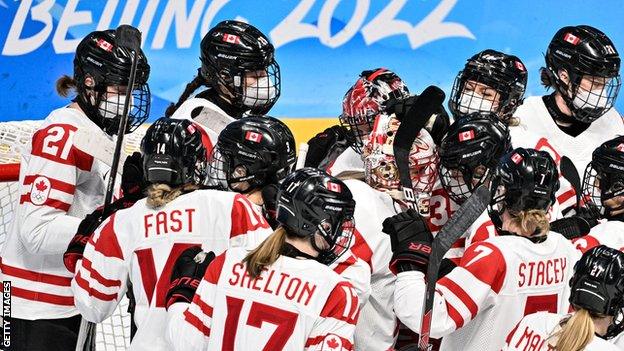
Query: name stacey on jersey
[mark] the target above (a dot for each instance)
(545, 272)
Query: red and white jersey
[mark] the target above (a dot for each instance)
(609, 233)
(497, 282)
(58, 185)
(535, 332)
(377, 324)
(142, 244)
(295, 304)
(209, 136)
(441, 208)
(348, 161)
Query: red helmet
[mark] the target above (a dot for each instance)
(380, 167)
(366, 99)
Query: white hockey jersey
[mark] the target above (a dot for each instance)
(294, 305)
(535, 119)
(377, 325)
(497, 282)
(142, 244)
(609, 233)
(533, 333)
(348, 161)
(58, 185)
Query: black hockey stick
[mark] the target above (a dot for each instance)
(461, 220)
(129, 38)
(411, 124)
(570, 173)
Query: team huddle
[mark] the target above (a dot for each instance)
(223, 238)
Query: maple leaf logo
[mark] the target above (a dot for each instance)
(332, 343)
(41, 185)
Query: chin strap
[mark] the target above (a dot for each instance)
(291, 251)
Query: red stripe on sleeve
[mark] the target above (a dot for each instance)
(55, 183)
(343, 265)
(59, 205)
(488, 267)
(338, 302)
(196, 322)
(455, 316)
(92, 291)
(461, 294)
(214, 269)
(97, 276)
(244, 218)
(107, 243)
(35, 276)
(566, 196)
(42, 297)
(204, 307)
(361, 249)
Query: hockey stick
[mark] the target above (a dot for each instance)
(213, 117)
(463, 218)
(129, 38)
(303, 153)
(570, 173)
(411, 124)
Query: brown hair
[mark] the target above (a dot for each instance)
(64, 85)
(266, 253)
(159, 195)
(531, 221)
(576, 332)
(197, 82)
(545, 78)
(513, 121)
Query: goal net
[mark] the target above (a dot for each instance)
(113, 333)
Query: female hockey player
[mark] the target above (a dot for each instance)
(491, 81)
(59, 184)
(282, 295)
(582, 67)
(144, 241)
(239, 70)
(524, 270)
(598, 300)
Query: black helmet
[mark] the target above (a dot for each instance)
(598, 285)
(503, 73)
(470, 152)
(311, 201)
(584, 51)
(525, 179)
(366, 99)
(173, 153)
(98, 57)
(604, 176)
(233, 48)
(258, 150)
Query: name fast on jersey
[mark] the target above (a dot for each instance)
(292, 288)
(165, 222)
(545, 272)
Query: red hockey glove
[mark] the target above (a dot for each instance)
(410, 240)
(188, 271)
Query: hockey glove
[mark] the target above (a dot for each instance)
(571, 227)
(326, 146)
(188, 271)
(410, 240)
(132, 182)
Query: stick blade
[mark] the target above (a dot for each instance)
(128, 37)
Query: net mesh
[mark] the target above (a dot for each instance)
(114, 332)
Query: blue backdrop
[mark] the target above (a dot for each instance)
(322, 45)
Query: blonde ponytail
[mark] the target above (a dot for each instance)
(531, 221)
(576, 332)
(159, 195)
(266, 253)
(64, 85)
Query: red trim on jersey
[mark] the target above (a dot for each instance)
(511, 334)
(361, 249)
(204, 307)
(459, 243)
(145, 258)
(59, 205)
(343, 265)
(196, 322)
(585, 243)
(97, 276)
(482, 233)
(35, 276)
(566, 196)
(93, 291)
(490, 269)
(461, 294)
(75, 157)
(335, 307)
(42, 297)
(107, 243)
(242, 223)
(214, 269)
(455, 316)
(55, 183)
(346, 343)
